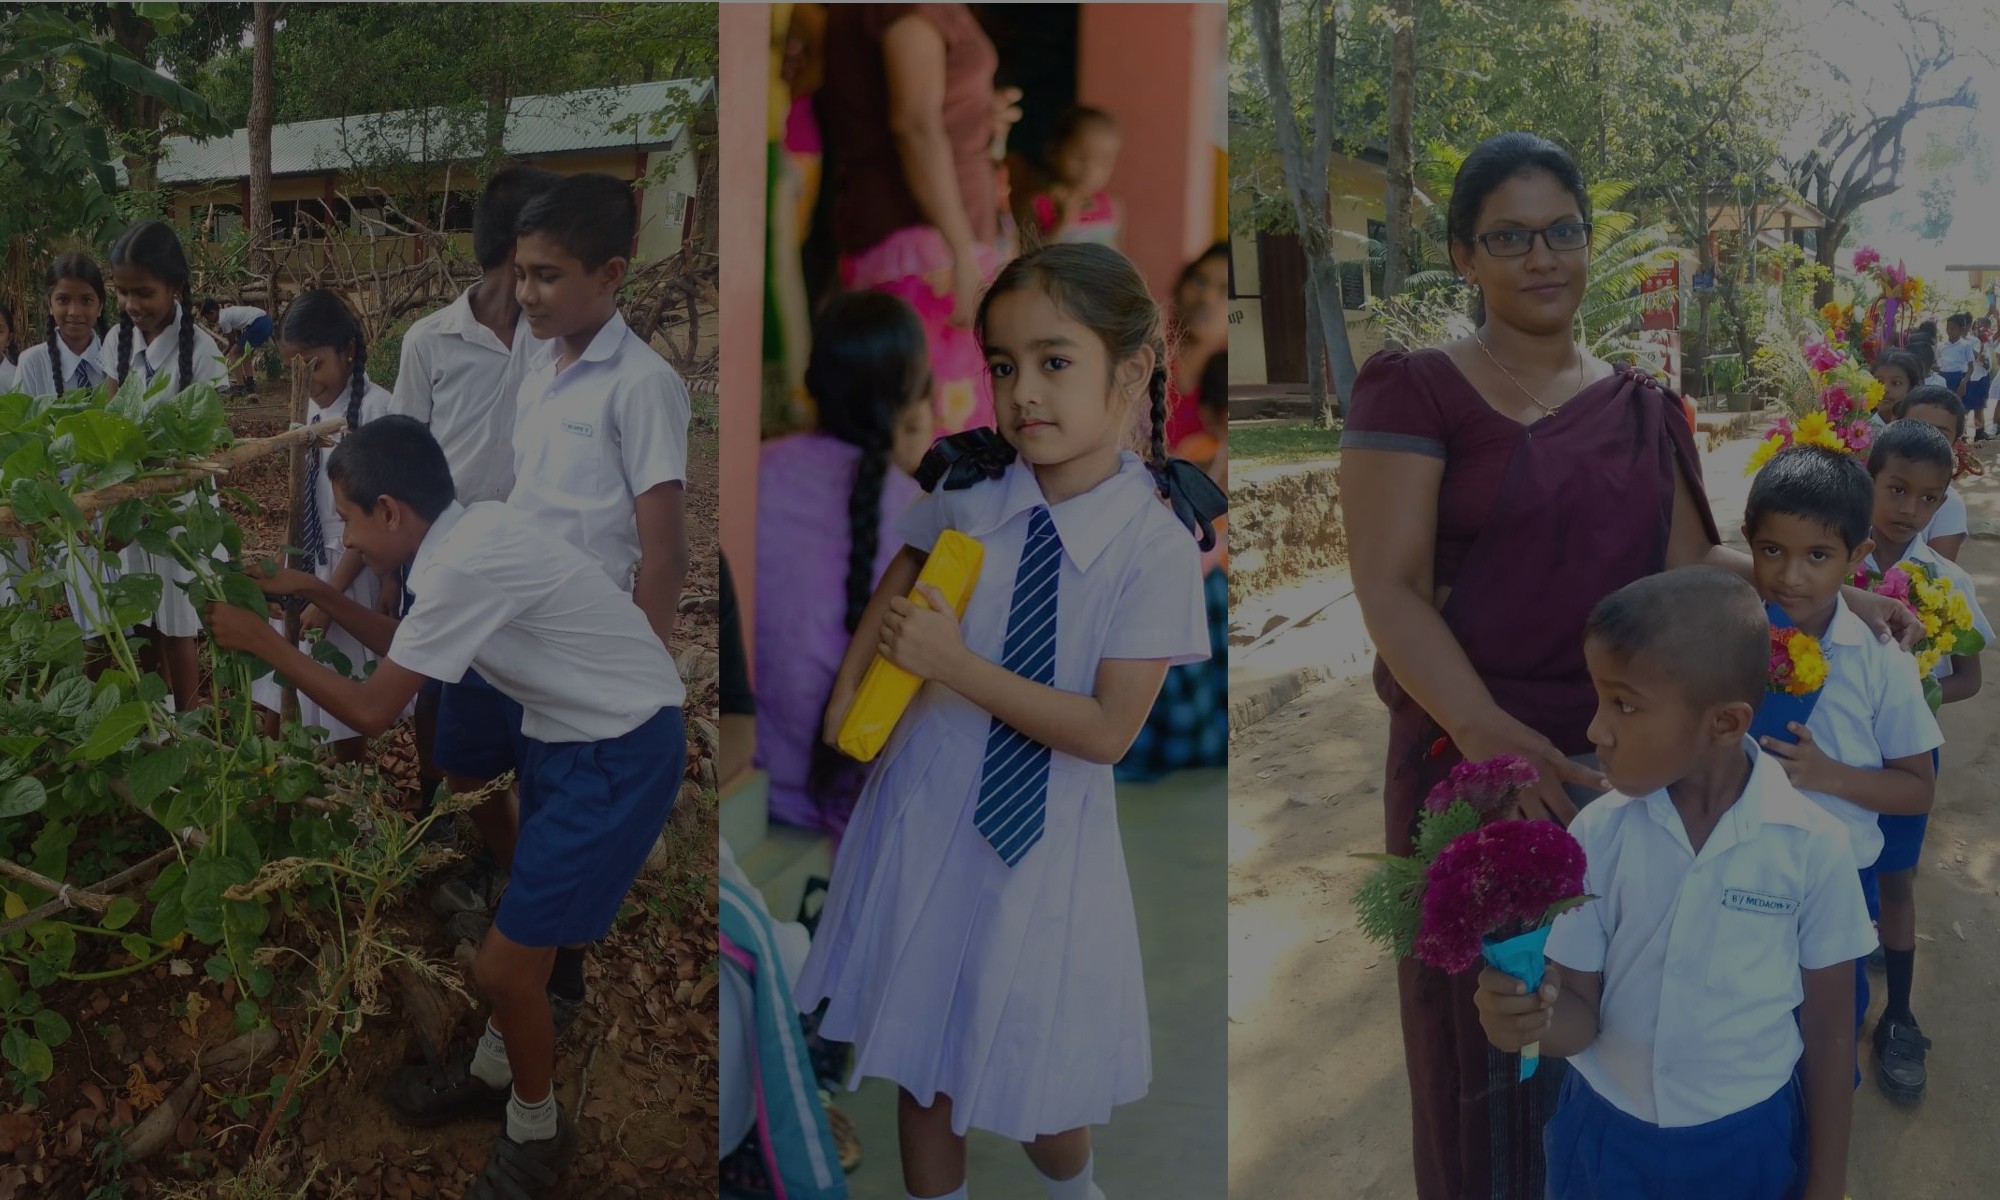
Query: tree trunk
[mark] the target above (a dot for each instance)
(1306, 184)
(136, 117)
(262, 87)
(1400, 186)
(1704, 301)
(1316, 364)
(1831, 235)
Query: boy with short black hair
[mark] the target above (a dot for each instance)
(1911, 462)
(600, 438)
(601, 748)
(1866, 748)
(1725, 903)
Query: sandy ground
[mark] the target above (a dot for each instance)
(1316, 1086)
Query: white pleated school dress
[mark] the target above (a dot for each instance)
(1016, 991)
(176, 616)
(36, 377)
(367, 586)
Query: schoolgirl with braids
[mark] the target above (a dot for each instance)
(322, 331)
(65, 359)
(978, 944)
(158, 341)
(827, 502)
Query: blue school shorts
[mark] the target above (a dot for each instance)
(1596, 1152)
(257, 332)
(1951, 379)
(1903, 836)
(1977, 392)
(590, 814)
(478, 729)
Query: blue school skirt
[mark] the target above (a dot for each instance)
(1976, 392)
(590, 814)
(1596, 1152)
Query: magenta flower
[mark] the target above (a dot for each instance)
(1489, 787)
(1866, 257)
(1859, 436)
(1822, 357)
(1497, 880)
(1837, 403)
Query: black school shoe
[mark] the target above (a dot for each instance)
(1899, 1050)
(443, 1090)
(526, 1170)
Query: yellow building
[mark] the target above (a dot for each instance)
(1267, 309)
(322, 171)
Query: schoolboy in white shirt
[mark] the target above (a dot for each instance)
(1911, 462)
(601, 748)
(1701, 997)
(1866, 749)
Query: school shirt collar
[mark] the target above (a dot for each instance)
(1919, 551)
(604, 346)
(1847, 629)
(66, 360)
(1087, 523)
(1768, 799)
(436, 534)
(457, 319)
(161, 350)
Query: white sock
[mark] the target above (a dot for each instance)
(957, 1193)
(1076, 1187)
(489, 1062)
(531, 1122)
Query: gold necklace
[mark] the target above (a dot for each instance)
(1548, 410)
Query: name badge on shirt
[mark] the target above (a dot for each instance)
(579, 429)
(1758, 902)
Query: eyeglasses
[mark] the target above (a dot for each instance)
(1513, 243)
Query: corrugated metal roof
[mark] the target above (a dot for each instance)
(566, 123)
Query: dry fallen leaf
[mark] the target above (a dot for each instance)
(141, 1092)
(197, 1004)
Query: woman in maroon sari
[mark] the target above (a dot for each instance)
(1495, 489)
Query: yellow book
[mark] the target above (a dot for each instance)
(886, 690)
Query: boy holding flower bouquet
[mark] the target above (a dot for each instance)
(1726, 902)
(1912, 464)
(1865, 749)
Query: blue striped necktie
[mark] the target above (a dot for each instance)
(1014, 782)
(82, 374)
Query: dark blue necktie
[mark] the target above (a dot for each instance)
(1014, 782)
(82, 374)
(309, 526)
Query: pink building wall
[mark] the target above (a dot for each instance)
(1156, 67)
(743, 97)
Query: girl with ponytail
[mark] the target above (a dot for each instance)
(980, 901)
(322, 332)
(158, 341)
(824, 500)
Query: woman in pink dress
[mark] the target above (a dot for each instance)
(911, 120)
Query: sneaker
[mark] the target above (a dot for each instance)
(441, 1091)
(1899, 1049)
(526, 1170)
(565, 1010)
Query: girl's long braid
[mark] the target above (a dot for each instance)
(1156, 447)
(55, 356)
(124, 345)
(360, 382)
(186, 377)
(864, 522)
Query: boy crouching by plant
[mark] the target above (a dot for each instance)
(600, 749)
(1726, 903)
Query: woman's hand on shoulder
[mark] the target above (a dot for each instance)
(1495, 733)
(1891, 619)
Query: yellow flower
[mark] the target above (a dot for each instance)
(1808, 664)
(1927, 661)
(1873, 394)
(1762, 454)
(1814, 429)
(1931, 623)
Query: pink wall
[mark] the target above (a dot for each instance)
(742, 100)
(1155, 66)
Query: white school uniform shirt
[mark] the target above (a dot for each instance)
(1979, 356)
(496, 590)
(1871, 709)
(1950, 518)
(1954, 357)
(457, 377)
(35, 378)
(1938, 565)
(590, 439)
(1136, 591)
(1701, 953)
(238, 316)
(375, 401)
(162, 356)
(9, 372)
